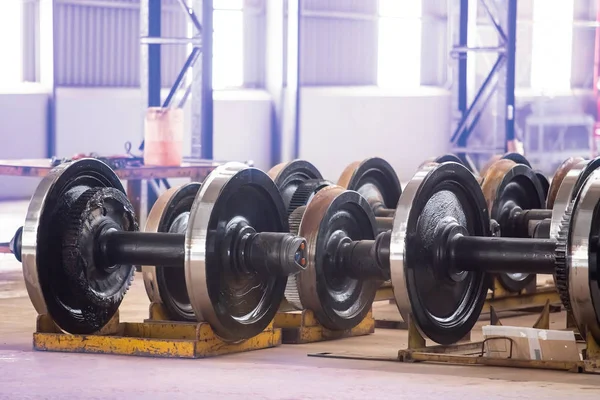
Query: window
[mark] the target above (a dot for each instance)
(552, 45)
(11, 42)
(228, 44)
(399, 53)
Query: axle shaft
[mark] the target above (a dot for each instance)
(384, 224)
(140, 248)
(501, 255)
(521, 223)
(365, 259)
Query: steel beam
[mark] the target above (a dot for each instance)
(48, 69)
(202, 93)
(511, 39)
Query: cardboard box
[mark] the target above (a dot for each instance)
(530, 343)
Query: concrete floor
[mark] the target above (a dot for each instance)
(281, 373)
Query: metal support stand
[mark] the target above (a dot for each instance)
(300, 327)
(472, 353)
(155, 337)
(532, 297)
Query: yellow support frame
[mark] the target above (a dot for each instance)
(302, 327)
(151, 338)
(472, 353)
(534, 297)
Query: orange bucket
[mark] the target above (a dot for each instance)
(163, 137)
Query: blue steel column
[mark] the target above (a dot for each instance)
(47, 62)
(202, 92)
(154, 78)
(298, 84)
(462, 66)
(206, 142)
(511, 35)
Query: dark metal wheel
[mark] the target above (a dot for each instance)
(516, 158)
(454, 158)
(375, 179)
(289, 176)
(544, 183)
(570, 184)
(333, 216)
(505, 186)
(577, 257)
(237, 304)
(170, 213)
(559, 175)
(70, 202)
(444, 304)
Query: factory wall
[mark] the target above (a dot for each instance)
(338, 126)
(23, 133)
(342, 125)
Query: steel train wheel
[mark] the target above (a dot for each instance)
(577, 275)
(375, 179)
(72, 197)
(170, 213)
(444, 305)
(334, 215)
(559, 175)
(290, 176)
(570, 185)
(506, 185)
(237, 304)
(515, 157)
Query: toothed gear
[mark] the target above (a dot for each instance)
(96, 208)
(304, 192)
(561, 275)
(292, 293)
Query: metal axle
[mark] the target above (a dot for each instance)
(365, 259)
(499, 255)
(140, 248)
(265, 253)
(521, 223)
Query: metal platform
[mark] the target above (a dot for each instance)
(150, 338)
(300, 327)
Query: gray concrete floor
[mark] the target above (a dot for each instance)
(281, 373)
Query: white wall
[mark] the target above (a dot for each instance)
(22, 135)
(342, 125)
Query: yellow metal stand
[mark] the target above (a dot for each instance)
(473, 353)
(385, 292)
(530, 298)
(150, 338)
(302, 327)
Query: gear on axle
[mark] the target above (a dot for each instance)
(304, 193)
(292, 292)
(561, 275)
(96, 210)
